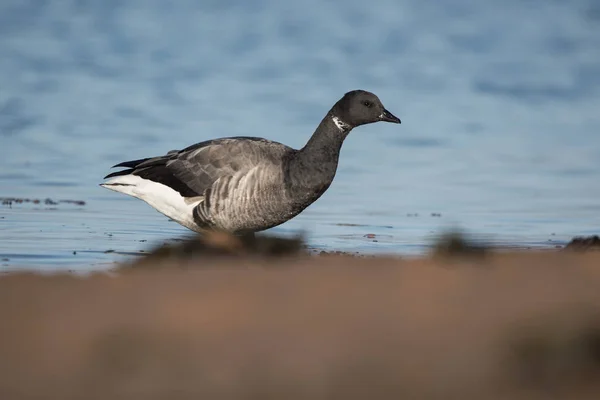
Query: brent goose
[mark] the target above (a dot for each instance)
(246, 184)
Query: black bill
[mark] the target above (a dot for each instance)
(389, 117)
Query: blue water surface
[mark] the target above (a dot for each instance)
(499, 104)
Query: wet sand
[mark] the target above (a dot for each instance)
(479, 325)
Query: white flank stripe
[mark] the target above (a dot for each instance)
(161, 197)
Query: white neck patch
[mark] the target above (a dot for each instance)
(342, 126)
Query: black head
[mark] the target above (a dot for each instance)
(360, 107)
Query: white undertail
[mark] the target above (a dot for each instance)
(161, 197)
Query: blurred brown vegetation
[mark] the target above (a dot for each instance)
(505, 326)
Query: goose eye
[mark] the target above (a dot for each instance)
(367, 103)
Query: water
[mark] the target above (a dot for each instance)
(499, 103)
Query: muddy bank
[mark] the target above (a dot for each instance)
(518, 326)
(584, 243)
(217, 245)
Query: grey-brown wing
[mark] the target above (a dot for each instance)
(199, 167)
(194, 169)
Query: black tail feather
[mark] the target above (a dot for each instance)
(130, 164)
(119, 173)
(154, 169)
